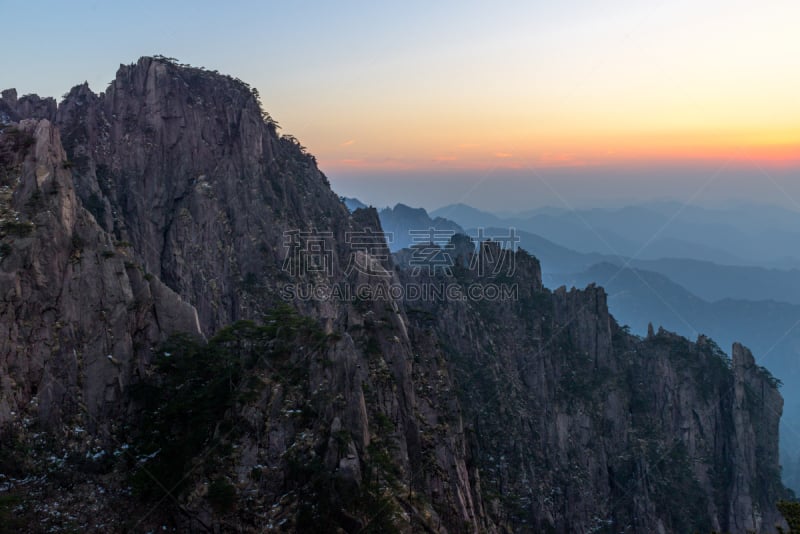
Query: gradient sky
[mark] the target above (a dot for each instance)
(510, 105)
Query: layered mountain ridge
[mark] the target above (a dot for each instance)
(169, 204)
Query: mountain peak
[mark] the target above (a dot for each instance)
(168, 204)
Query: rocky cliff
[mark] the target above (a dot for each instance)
(169, 204)
(576, 426)
(79, 316)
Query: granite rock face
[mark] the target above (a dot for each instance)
(79, 316)
(14, 108)
(181, 163)
(170, 204)
(575, 426)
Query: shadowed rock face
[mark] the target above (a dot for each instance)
(79, 318)
(162, 206)
(181, 163)
(574, 425)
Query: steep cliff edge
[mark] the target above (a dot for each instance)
(175, 206)
(79, 317)
(208, 208)
(576, 426)
(183, 164)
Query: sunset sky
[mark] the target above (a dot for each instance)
(451, 94)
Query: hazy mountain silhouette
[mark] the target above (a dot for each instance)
(714, 282)
(748, 235)
(409, 226)
(707, 280)
(467, 216)
(352, 203)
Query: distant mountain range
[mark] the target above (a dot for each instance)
(191, 341)
(755, 305)
(758, 305)
(406, 226)
(409, 226)
(707, 280)
(352, 203)
(753, 235)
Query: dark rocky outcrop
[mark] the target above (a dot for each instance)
(169, 203)
(15, 109)
(407, 226)
(181, 163)
(576, 426)
(79, 316)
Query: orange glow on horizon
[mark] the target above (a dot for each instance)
(634, 152)
(698, 83)
(584, 135)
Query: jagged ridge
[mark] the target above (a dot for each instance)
(536, 414)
